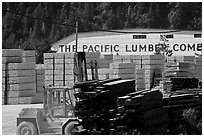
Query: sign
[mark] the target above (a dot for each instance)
(133, 48)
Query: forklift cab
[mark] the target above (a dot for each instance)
(58, 102)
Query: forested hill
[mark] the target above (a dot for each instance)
(37, 25)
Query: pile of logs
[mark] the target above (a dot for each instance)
(140, 113)
(179, 83)
(94, 103)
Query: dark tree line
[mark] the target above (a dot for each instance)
(36, 25)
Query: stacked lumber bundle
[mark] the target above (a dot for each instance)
(92, 58)
(59, 69)
(153, 66)
(180, 83)
(177, 69)
(139, 79)
(185, 59)
(122, 70)
(40, 82)
(105, 60)
(29, 56)
(19, 79)
(123, 58)
(93, 107)
(142, 112)
(176, 104)
(12, 56)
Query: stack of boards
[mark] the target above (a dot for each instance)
(18, 76)
(140, 68)
(59, 67)
(186, 66)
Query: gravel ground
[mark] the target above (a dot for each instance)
(9, 115)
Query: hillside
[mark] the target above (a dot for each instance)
(32, 25)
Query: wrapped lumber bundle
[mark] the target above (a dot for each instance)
(12, 55)
(140, 111)
(123, 58)
(178, 103)
(20, 82)
(93, 106)
(29, 56)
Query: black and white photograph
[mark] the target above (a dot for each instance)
(101, 68)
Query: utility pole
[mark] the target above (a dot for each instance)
(76, 35)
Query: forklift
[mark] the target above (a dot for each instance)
(58, 114)
(88, 112)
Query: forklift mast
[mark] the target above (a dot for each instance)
(80, 70)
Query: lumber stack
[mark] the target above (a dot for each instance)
(20, 81)
(190, 60)
(177, 69)
(93, 106)
(59, 69)
(139, 79)
(177, 103)
(122, 70)
(92, 58)
(12, 56)
(40, 82)
(153, 66)
(140, 111)
(29, 56)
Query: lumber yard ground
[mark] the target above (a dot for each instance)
(9, 115)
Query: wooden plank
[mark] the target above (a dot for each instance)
(59, 72)
(21, 93)
(59, 83)
(29, 53)
(20, 66)
(59, 66)
(59, 77)
(19, 80)
(48, 55)
(20, 73)
(12, 53)
(22, 86)
(29, 59)
(12, 59)
(152, 62)
(153, 57)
